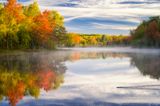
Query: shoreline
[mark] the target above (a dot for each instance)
(116, 49)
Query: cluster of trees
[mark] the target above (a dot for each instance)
(74, 39)
(25, 27)
(147, 33)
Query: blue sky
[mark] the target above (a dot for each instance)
(103, 16)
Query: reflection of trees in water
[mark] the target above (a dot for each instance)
(25, 74)
(94, 55)
(28, 73)
(147, 64)
(31, 62)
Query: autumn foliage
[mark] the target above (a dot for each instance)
(42, 29)
(83, 40)
(14, 10)
(26, 27)
(147, 33)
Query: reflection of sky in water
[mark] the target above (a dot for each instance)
(93, 79)
(97, 80)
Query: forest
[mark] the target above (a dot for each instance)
(26, 27)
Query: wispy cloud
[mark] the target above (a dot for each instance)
(112, 27)
(132, 11)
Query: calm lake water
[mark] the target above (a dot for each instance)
(81, 77)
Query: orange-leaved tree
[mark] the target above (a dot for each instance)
(42, 29)
(14, 10)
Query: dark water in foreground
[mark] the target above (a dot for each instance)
(81, 77)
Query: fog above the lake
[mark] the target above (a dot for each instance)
(116, 50)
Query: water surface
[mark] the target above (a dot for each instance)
(81, 77)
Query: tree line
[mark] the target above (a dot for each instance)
(84, 40)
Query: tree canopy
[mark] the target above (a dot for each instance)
(147, 33)
(26, 27)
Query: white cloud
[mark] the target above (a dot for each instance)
(113, 13)
(133, 11)
(113, 27)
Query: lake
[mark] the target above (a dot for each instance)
(81, 77)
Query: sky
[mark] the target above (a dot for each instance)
(103, 16)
